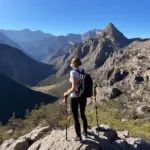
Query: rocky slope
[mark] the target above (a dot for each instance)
(16, 98)
(17, 65)
(95, 51)
(55, 140)
(127, 71)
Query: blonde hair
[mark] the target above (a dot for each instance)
(76, 62)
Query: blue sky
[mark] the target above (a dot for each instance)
(132, 17)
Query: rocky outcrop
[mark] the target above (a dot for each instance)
(24, 142)
(128, 71)
(107, 93)
(105, 139)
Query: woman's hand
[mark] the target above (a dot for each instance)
(65, 94)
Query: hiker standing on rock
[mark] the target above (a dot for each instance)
(78, 96)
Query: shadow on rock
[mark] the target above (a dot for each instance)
(111, 141)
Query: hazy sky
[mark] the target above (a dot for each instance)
(132, 17)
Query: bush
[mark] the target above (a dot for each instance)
(110, 113)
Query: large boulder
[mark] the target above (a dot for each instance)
(107, 93)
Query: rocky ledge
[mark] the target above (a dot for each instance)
(106, 139)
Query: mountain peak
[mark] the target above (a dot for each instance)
(111, 29)
(110, 25)
(114, 34)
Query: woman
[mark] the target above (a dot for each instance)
(77, 101)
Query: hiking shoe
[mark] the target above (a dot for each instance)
(77, 138)
(85, 134)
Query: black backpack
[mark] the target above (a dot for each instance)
(84, 85)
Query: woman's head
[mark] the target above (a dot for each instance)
(76, 62)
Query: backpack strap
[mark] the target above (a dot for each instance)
(80, 72)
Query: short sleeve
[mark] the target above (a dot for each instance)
(73, 74)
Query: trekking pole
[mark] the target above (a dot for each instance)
(95, 86)
(66, 122)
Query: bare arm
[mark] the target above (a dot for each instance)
(73, 88)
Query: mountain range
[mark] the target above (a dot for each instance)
(94, 52)
(40, 45)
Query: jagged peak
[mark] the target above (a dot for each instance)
(111, 25)
(110, 28)
(113, 33)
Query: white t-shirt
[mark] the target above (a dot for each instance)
(75, 74)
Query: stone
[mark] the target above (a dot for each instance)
(20, 144)
(141, 110)
(124, 120)
(24, 142)
(10, 131)
(123, 134)
(106, 127)
(111, 135)
(37, 133)
(133, 141)
(6, 144)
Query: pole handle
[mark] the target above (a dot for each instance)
(65, 97)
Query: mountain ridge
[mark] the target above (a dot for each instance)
(5, 40)
(29, 41)
(95, 51)
(16, 98)
(17, 65)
